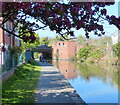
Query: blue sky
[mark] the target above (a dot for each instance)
(109, 29)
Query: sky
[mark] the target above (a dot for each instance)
(109, 29)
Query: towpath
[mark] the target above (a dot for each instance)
(54, 88)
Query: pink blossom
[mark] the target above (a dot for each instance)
(71, 33)
(74, 10)
(103, 12)
(68, 23)
(3, 49)
(112, 17)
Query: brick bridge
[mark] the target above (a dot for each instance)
(44, 49)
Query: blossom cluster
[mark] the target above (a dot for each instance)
(62, 17)
(3, 49)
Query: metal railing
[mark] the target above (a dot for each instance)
(10, 61)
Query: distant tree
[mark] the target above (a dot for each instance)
(116, 49)
(81, 39)
(103, 42)
(45, 41)
(60, 38)
(30, 46)
(83, 53)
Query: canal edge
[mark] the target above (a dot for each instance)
(75, 96)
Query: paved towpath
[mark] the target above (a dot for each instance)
(54, 88)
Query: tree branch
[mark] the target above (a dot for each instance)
(11, 32)
(66, 38)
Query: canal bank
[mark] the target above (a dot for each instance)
(95, 83)
(54, 88)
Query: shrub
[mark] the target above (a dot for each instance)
(89, 52)
(91, 61)
(96, 54)
(33, 62)
(84, 52)
(116, 49)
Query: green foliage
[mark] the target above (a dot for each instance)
(73, 58)
(16, 49)
(60, 38)
(88, 71)
(93, 52)
(90, 51)
(81, 39)
(45, 41)
(28, 46)
(91, 61)
(103, 42)
(48, 41)
(84, 53)
(36, 55)
(20, 87)
(96, 54)
(33, 62)
(116, 49)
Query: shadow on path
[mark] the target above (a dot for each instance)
(54, 88)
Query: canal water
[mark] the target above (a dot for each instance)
(94, 83)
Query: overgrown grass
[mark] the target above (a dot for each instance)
(20, 88)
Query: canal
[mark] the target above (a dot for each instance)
(94, 83)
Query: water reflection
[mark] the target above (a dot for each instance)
(66, 68)
(104, 73)
(94, 83)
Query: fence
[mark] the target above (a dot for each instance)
(10, 61)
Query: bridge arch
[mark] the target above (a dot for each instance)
(44, 49)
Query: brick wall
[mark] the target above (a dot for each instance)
(8, 74)
(8, 38)
(64, 49)
(5, 37)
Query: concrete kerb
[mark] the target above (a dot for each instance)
(9, 73)
(75, 96)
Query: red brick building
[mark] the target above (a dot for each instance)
(7, 40)
(64, 49)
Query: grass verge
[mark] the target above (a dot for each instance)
(20, 88)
